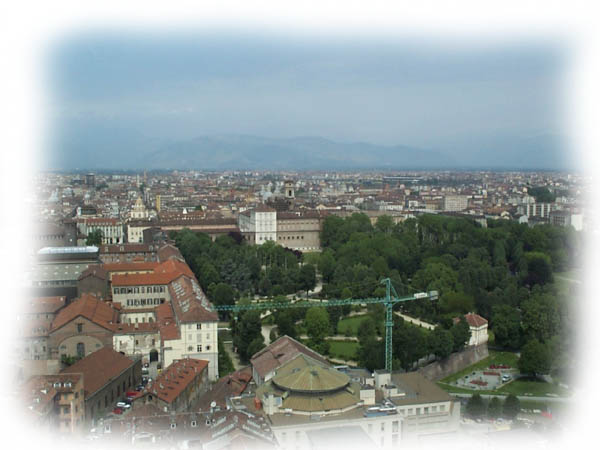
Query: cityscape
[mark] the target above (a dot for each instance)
(273, 309)
(250, 239)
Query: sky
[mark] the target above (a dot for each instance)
(415, 91)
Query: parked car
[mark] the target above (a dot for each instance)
(139, 388)
(121, 404)
(117, 411)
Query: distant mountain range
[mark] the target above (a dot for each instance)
(114, 148)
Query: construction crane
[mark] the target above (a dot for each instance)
(391, 298)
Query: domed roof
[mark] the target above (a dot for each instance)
(311, 379)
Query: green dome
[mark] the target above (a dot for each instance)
(311, 379)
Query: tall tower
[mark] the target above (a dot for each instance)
(289, 190)
(289, 194)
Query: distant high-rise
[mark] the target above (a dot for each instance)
(90, 179)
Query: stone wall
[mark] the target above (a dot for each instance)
(454, 363)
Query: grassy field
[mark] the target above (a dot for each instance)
(535, 388)
(495, 357)
(343, 349)
(349, 325)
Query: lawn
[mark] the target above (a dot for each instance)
(516, 387)
(349, 325)
(494, 357)
(535, 388)
(343, 349)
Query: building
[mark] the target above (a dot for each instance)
(189, 326)
(563, 218)
(55, 403)
(299, 230)
(478, 327)
(304, 398)
(57, 270)
(82, 328)
(112, 229)
(265, 362)
(455, 202)
(34, 324)
(139, 211)
(128, 252)
(107, 376)
(177, 387)
(259, 225)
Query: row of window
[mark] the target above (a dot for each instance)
(145, 301)
(139, 290)
(198, 348)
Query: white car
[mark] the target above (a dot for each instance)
(123, 405)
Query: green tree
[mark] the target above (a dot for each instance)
(506, 325)
(326, 265)
(308, 278)
(541, 316)
(384, 224)
(475, 407)
(317, 327)
(257, 344)
(222, 295)
(440, 342)
(494, 409)
(94, 238)
(247, 329)
(511, 407)
(225, 362)
(539, 268)
(371, 354)
(535, 359)
(460, 334)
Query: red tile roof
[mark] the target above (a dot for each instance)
(279, 352)
(99, 368)
(130, 267)
(190, 304)
(176, 378)
(230, 385)
(475, 320)
(88, 306)
(166, 322)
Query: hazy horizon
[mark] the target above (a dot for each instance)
(116, 98)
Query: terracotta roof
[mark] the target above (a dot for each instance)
(176, 378)
(94, 270)
(278, 353)
(230, 385)
(169, 251)
(99, 368)
(130, 266)
(190, 304)
(88, 306)
(475, 320)
(166, 322)
(174, 266)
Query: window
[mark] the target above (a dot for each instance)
(199, 348)
(442, 408)
(80, 349)
(382, 426)
(426, 410)
(198, 326)
(207, 347)
(395, 426)
(79, 327)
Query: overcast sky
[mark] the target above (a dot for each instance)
(415, 92)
